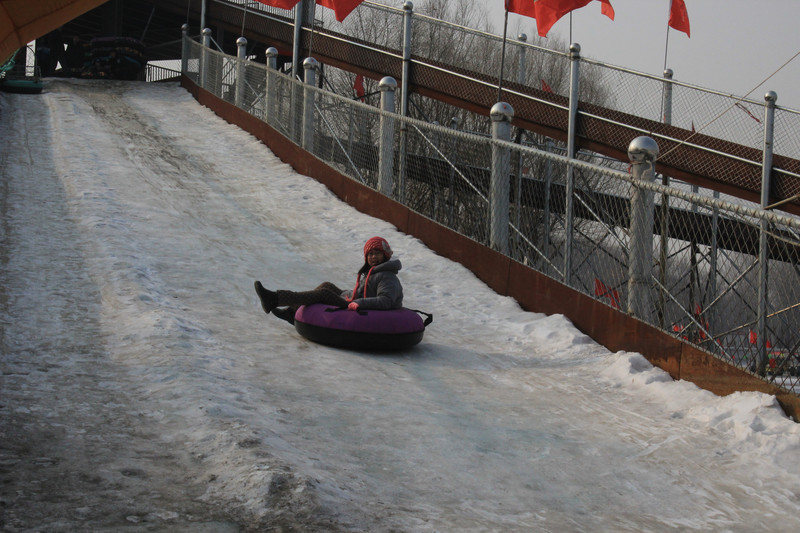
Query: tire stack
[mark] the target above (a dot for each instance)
(115, 58)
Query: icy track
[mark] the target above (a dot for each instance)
(143, 389)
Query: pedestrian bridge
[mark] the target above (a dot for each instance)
(725, 156)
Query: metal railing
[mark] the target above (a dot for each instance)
(716, 272)
(730, 126)
(159, 73)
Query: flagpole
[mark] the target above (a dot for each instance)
(570, 28)
(244, 15)
(502, 59)
(666, 51)
(313, 19)
(666, 43)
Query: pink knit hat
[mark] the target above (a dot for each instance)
(378, 243)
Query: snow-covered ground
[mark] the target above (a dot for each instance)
(143, 389)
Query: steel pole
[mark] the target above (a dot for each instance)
(643, 152)
(270, 87)
(205, 58)
(387, 86)
(311, 67)
(763, 253)
(408, 13)
(501, 114)
(241, 55)
(574, 88)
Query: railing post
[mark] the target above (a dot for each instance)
(185, 49)
(311, 66)
(548, 185)
(574, 86)
(522, 73)
(451, 194)
(666, 112)
(499, 189)
(763, 254)
(408, 12)
(241, 55)
(666, 102)
(713, 263)
(387, 86)
(643, 152)
(269, 85)
(203, 13)
(205, 58)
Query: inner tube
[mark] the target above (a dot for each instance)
(21, 86)
(370, 329)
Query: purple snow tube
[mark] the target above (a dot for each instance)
(368, 329)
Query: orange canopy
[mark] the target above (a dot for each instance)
(22, 21)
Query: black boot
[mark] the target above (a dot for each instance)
(286, 313)
(269, 300)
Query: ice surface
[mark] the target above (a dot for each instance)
(144, 389)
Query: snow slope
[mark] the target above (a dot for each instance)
(143, 389)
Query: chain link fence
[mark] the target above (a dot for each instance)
(713, 270)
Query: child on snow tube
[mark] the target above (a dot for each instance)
(380, 287)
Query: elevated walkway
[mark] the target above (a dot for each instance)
(698, 159)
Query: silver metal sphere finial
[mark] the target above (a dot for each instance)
(387, 83)
(771, 96)
(575, 49)
(310, 62)
(502, 111)
(642, 149)
(241, 41)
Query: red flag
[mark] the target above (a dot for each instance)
(607, 9)
(523, 7)
(743, 108)
(546, 88)
(753, 337)
(548, 12)
(341, 8)
(283, 4)
(600, 289)
(678, 328)
(358, 86)
(679, 17)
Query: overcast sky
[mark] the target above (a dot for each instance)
(734, 44)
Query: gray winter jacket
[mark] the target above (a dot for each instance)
(383, 288)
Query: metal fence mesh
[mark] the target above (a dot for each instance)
(724, 116)
(705, 255)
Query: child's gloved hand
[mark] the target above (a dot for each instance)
(353, 306)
